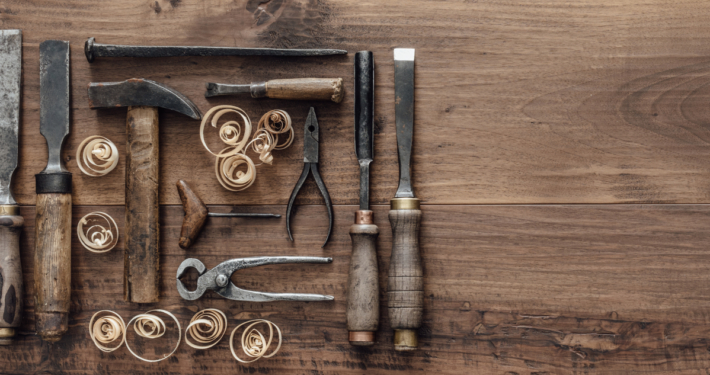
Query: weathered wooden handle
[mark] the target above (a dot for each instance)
(52, 268)
(195, 215)
(141, 280)
(363, 308)
(11, 289)
(306, 89)
(405, 290)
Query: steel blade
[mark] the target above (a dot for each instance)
(364, 120)
(10, 83)
(218, 89)
(54, 100)
(404, 117)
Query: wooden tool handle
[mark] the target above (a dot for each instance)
(405, 283)
(306, 89)
(11, 289)
(363, 309)
(52, 267)
(195, 215)
(141, 280)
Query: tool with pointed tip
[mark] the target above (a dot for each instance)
(363, 308)
(11, 286)
(142, 97)
(196, 213)
(310, 163)
(52, 269)
(92, 50)
(405, 285)
(289, 89)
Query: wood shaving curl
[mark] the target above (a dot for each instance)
(231, 132)
(254, 344)
(151, 326)
(230, 176)
(207, 328)
(277, 122)
(97, 156)
(97, 238)
(106, 330)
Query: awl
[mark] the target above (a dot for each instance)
(405, 285)
(52, 269)
(11, 288)
(363, 307)
(289, 89)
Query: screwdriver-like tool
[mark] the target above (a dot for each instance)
(289, 89)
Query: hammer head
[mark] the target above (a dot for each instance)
(140, 92)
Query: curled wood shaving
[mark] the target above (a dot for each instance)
(231, 132)
(230, 176)
(99, 237)
(150, 326)
(106, 330)
(263, 143)
(277, 122)
(254, 344)
(97, 156)
(207, 328)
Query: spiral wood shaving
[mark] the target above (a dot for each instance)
(98, 238)
(97, 156)
(106, 330)
(277, 122)
(207, 328)
(254, 344)
(151, 326)
(231, 132)
(232, 178)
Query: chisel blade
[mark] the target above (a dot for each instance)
(10, 79)
(54, 100)
(404, 117)
(364, 120)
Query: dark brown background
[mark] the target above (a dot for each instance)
(561, 153)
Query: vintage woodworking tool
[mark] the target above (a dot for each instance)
(405, 289)
(52, 268)
(94, 50)
(310, 163)
(11, 287)
(363, 308)
(196, 213)
(218, 279)
(142, 97)
(289, 89)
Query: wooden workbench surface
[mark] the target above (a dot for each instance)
(561, 152)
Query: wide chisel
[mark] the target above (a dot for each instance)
(405, 285)
(363, 308)
(52, 268)
(11, 289)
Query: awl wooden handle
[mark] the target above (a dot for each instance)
(11, 288)
(304, 89)
(363, 308)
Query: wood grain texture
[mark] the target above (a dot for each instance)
(363, 294)
(12, 290)
(306, 89)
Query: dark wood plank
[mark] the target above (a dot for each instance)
(509, 289)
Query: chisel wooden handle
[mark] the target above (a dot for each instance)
(405, 290)
(52, 268)
(363, 309)
(11, 290)
(289, 89)
(141, 254)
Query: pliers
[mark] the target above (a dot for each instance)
(310, 163)
(218, 279)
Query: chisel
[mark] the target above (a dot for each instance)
(11, 288)
(289, 89)
(405, 289)
(363, 308)
(52, 268)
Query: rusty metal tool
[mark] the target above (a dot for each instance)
(218, 279)
(11, 286)
(52, 268)
(363, 307)
(289, 89)
(405, 285)
(196, 214)
(142, 97)
(92, 50)
(310, 163)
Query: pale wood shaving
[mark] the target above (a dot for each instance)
(96, 156)
(206, 328)
(253, 342)
(98, 238)
(106, 330)
(151, 326)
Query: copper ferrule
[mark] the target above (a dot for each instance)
(363, 338)
(404, 203)
(364, 217)
(9, 209)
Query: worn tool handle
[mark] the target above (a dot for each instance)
(195, 215)
(405, 290)
(11, 288)
(141, 280)
(304, 89)
(363, 309)
(52, 267)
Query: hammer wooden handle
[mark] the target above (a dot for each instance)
(141, 254)
(363, 308)
(52, 267)
(405, 283)
(11, 290)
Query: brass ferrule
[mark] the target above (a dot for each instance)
(9, 209)
(7, 332)
(405, 339)
(404, 203)
(362, 338)
(364, 217)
